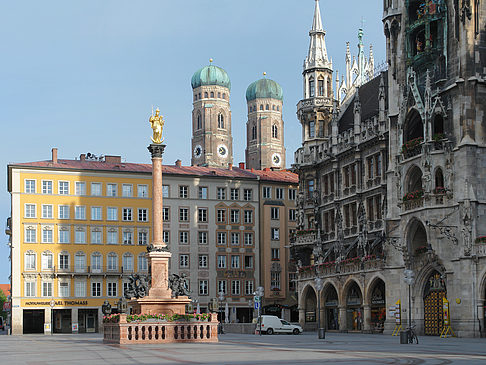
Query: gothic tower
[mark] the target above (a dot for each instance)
(264, 129)
(315, 109)
(212, 144)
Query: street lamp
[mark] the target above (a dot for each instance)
(221, 299)
(321, 332)
(409, 278)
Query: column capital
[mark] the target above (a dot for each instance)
(156, 150)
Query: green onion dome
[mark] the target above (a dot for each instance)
(210, 75)
(264, 89)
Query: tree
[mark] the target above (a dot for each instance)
(3, 299)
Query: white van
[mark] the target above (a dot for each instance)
(273, 324)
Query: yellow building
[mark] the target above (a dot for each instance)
(79, 228)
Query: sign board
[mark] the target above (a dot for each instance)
(257, 299)
(398, 313)
(257, 305)
(47, 327)
(445, 310)
(75, 328)
(7, 306)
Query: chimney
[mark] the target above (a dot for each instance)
(178, 163)
(230, 166)
(112, 159)
(82, 157)
(242, 165)
(54, 155)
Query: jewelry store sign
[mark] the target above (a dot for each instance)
(50, 303)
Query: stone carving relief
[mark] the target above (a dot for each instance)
(138, 286)
(178, 285)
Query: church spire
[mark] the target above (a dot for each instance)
(317, 57)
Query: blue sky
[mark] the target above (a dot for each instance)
(83, 75)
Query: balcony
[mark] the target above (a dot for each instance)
(412, 148)
(311, 103)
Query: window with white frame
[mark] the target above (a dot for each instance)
(221, 215)
(184, 237)
(63, 187)
(183, 192)
(29, 210)
(249, 287)
(47, 260)
(292, 194)
(142, 238)
(203, 192)
(202, 237)
(63, 261)
(142, 262)
(30, 287)
(80, 235)
(183, 261)
(221, 261)
(95, 289)
(64, 235)
(47, 211)
(127, 190)
(111, 190)
(46, 187)
(80, 212)
(221, 238)
(80, 188)
(142, 191)
(222, 286)
(80, 262)
(235, 287)
(64, 290)
(202, 215)
(221, 193)
(112, 264)
(30, 258)
(167, 237)
(275, 280)
(96, 189)
(274, 213)
(165, 191)
(248, 217)
(267, 192)
(203, 261)
(63, 211)
(292, 215)
(142, 214)
(235, 194)
(248, 238)
(183, 214)
(127, 237)
(96, 235)
(235, 261)
(112, 236)
(47, 236)
(80, 289)
(127, 262)
(235, 238)
(275, 253)
(166, 214)
(234, 216)
(279, 193)
(127, 214)
(203, 287)
(111, 213)
(96, 213)
(30, 186)
(247, 194)
(47, 289)
(111, 289)
(30, 234)
(96, 262)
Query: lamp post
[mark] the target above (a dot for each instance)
(221, 299)
(321, 332)
(259, 298)
(250, 311)
(409, 278)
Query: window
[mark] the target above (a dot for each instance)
(310, 187)
(142, 214)
(64, 235)
(235, 194)
(96, 189)
(248, 216)
(212, 94)
(96, 289)
(292, 281)
(235, 287)
(247, 194)
(30, 186)
(249, 287)
(112, 236)
(220, 121)
(261, 106)
(267, 107)
(320, 87)
(203, 261)
(222, 286)
(274, 131)
(79, 188)
(30, 288)
(275, 280)
(184, 214)
(203, 238)
(96, 213)
(80, 262)
(142, 262)
(267, 192)
(292, 194)
(79, 212)
(63, 261)
(275, 233)
(221, 215)
(167, 237)
(202, 215)
(203, 192)
(63, 187)
(279, 193)
(275, 253)
(248, 238)
(112, 264)
(221, 238)
(312, 88)
(125, 288)
(234, 216)
(312, 129)
(183, 261)
(127, 262)
(30, 260)
(235, 261)
(127, 237)
(275, 213)
(80, 289)
(111, 214)
(111, 190)
(166, 214)
(30, 234)
(96, 264)
(221, 193)
(371, 167)
(63, 211)
(80, 235)
(183, 237)
(235, 238)
(127, 190)
(29, 210)
(142, 238)
(64, 290)
(248, 262)
(47, 236)
(111, 289)
(165, 191)
(183, 192)
(127, 214)
(254, 132)
(142, 191)
(221, 261)
(47, 187)
(198, 121)
(203, 287)
(47, 289)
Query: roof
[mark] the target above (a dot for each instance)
(5, 288)
(277, 176)
(210, 75)
(263, 89)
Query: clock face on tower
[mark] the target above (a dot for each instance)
(222, 151)
(197, 151)
(276, 159)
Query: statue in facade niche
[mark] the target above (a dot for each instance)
(178, 285)
(157, 124)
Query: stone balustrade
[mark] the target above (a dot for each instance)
(160, 331)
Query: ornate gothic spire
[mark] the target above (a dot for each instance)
(317, 57)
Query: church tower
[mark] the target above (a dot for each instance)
(315, 109)
(212, 144)
(264, 129)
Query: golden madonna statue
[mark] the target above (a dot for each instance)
(157, 124)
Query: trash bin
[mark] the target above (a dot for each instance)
(403, 337)
(322, 333)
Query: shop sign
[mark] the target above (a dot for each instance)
(75, 327)
(445, 309)
(331, 303)
(53, 303)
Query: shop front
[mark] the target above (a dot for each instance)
(88, 320)
(354, 309)
(33, 321)
(378, 307)
(331, 309)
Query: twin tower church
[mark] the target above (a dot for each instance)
(212, 142)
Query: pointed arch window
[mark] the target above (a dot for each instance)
(206, 94)
(267, 107)
(221, 121)
(261, 106)
(321, 87)
(439, 181)
(329, 88)
(312, 87)
(254, 132)
(274, 131)
(212, 94)
(199, 122)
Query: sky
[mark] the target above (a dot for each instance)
(83, 76)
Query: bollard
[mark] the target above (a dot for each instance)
(403, 337)
(322, 333)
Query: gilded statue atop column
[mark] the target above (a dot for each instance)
(157, 124)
